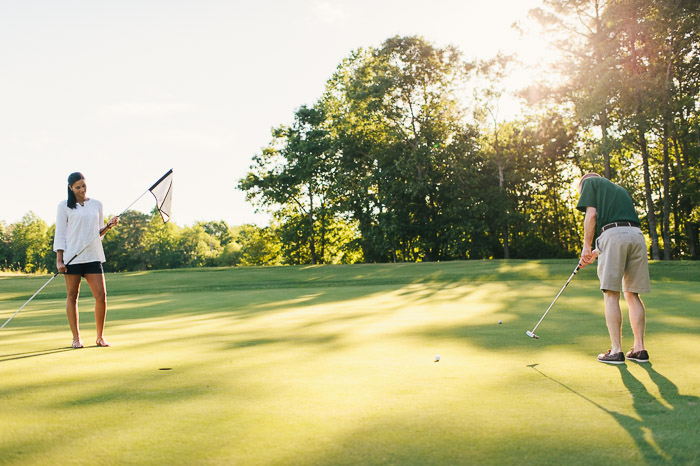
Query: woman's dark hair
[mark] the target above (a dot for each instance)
(72, 179)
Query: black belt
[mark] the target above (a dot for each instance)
(619, 224)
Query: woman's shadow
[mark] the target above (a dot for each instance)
(664, 432)
(32, 354)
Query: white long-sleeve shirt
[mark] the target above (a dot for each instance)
(76, 228)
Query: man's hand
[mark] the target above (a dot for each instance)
(588, 255)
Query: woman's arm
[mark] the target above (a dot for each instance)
(113, 221)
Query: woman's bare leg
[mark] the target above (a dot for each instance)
(72, 293)
(97, 285)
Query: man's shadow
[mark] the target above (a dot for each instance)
(661, 429)
(663, 434)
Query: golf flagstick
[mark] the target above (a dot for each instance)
(160, 203)
(579, 266)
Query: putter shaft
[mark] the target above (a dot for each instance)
(531, 333)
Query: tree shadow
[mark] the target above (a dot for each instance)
(665, 433)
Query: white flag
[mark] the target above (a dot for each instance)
(162, 190)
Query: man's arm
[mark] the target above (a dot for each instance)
(588, 256)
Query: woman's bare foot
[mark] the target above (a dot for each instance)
(77, 343)
(102, 342)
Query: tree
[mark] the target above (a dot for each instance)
(161, 244)
(295, 173)
(198, 247)
(582, 32)
(497, 151)
(402, 141)
(30, 244)
(633, 69)
(5, 250)
(259, 246)
(125, 246)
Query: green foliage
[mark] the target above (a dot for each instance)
(296, 173)
(406, 159)
(401, 162)
(633, 72)
(26, 244)
(5, 250)
(126, 244)
(199, 247)
(143, 242)
(392, 164)
(258, 245)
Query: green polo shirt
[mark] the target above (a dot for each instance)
(612, 202)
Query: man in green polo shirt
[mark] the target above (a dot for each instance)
(622, 260)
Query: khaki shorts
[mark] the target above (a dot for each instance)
(623, 260)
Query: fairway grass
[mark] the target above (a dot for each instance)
(324, 365)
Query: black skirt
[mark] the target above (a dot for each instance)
(87, 267)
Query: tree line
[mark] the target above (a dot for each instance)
(143, 242)
(404, 157)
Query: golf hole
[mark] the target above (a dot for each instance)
(165, 369)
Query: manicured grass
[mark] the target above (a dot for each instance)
(334, 365)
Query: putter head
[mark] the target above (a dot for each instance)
(532, 335)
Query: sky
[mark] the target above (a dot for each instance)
(123, 90)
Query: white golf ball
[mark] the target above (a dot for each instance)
(499, 322)
(437, 357)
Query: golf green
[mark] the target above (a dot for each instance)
(335, 365)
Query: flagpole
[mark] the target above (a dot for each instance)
(84, 248)
(161, 179)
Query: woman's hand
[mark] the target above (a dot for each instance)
(112, 221)
(61, 266)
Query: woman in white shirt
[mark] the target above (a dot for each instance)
(78, 240)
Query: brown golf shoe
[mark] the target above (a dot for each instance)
(614, 358)
(639, 356)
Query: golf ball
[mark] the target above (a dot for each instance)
(437, 357)
(499, 322)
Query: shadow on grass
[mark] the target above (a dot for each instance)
(663, 434)
(372, 294)
(661, 430)
(33, 354)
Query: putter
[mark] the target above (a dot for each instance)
(531, 333)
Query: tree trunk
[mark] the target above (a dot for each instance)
(667, 200)
(312, 242)
(692, 230)
(651, 215)
(686, 204)
(501, 185)
(366, 244)
(322, 233)
(605, 144)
